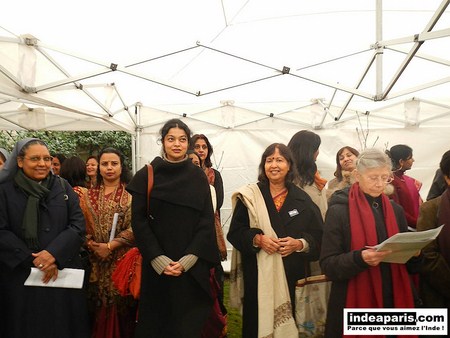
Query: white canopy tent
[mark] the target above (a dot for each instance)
(245, 73)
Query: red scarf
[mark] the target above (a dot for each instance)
(365, 290)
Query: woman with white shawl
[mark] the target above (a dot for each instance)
(276, 230)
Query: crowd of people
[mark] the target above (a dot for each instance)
(59, 212)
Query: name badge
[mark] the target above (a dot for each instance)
(293, 212)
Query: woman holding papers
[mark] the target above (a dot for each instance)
(42, 228)
(109, 236)
(358, 217)
(435, 272)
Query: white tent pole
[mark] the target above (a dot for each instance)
(379, 49)
(415, 47)
(137, 156)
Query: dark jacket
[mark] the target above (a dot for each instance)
(38, 311)
(435, 271)
(340, 264)
(299, 217)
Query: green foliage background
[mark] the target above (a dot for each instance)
(79, 143)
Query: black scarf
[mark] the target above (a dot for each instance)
(35, 192)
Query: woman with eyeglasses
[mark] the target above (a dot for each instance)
(42, 228)
(359, 217)
(406, 188)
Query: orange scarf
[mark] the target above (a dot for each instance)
(319, 181)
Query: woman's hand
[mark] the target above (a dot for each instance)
(51, 273)
(174, 269)
(268, 244)
(373, 257)
(101, 250)
(289, 245)
(45, 262)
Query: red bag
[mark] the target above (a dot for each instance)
(127, 274)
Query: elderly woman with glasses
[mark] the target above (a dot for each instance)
(359, 217)
(41, 228)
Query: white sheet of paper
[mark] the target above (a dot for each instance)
(405, 244)
(67, 278)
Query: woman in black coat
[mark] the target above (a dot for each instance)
(41, 226)
(177, 240)
(358, 217)
(291, 236)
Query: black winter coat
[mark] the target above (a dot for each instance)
(41, 311)
(340, 264)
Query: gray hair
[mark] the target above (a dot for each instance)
(373, 158)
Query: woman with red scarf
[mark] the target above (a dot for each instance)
(358, 217)
(435, 272)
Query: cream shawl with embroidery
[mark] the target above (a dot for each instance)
(274, 305)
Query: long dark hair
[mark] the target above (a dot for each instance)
(397, 153)
(207, 162)
(303, 146)
(338, 172)
(125, 176)
(286, 153)
(74, 171)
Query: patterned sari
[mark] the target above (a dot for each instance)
(114, 314)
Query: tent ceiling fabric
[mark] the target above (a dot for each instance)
(322, 64)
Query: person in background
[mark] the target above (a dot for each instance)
(406, 189)
(275, 230)
(438, 186)
(91, 171)
(345, 164)
(175, 233)
(196, 160)
(304, 146)
(4, 155)
(42, 227)
(74, 171)
(359, 217)
(113, 315)
(57, 161)
(201, 145)
(435, 271)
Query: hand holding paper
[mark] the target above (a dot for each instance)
(67, 278)
(405, 245)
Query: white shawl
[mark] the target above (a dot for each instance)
(274, 305)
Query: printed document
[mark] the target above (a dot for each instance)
(404, 245)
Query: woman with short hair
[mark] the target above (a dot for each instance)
(359, 217)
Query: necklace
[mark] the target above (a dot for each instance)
(375, 205)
